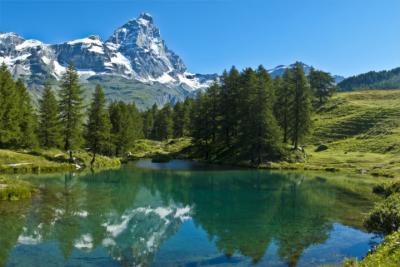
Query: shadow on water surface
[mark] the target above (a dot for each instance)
(171, 215)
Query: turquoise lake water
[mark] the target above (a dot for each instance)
(186, 214)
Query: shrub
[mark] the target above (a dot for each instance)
(385, 216)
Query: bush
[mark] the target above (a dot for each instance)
(385, 216)
(387, 189)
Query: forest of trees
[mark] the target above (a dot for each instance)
(387, 79)
(243, 116)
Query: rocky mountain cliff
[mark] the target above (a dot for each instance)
(133, 64)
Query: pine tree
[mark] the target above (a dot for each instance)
(163, 124)
(71, 105)
(178, 120)
(126, 126)
(322, 85)
(213, 109)
(187, 109)
(246, 118)
(148, 122)
(98, 126)
(265, 141)
(301, 106)
(9, 109)
(284, 97)
(229, 97)
(27, 117)
(200, 124)
(49, 130)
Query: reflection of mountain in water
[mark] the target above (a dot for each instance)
(136, 236)
(129, 214)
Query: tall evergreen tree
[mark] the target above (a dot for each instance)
(71, 105)
(49, 130)
(322, 85)
(9, 109)
(126, 126)
(27, 117)
(200, 125)
(178, 120)
(187, 109)
(301, 106)
(213, 109)
(265, 138)
(163, 124)
(284, 97)
(229, 105)
(98, 126)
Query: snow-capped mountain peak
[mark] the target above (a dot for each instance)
(135, 51)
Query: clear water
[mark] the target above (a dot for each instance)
(185, 214)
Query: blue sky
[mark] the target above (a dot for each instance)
(341, 36)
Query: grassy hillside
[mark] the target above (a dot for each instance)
(362, 132)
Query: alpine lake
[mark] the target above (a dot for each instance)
(183, 213)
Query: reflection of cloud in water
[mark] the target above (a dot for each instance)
(85, 242)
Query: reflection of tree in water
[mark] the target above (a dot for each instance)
(132, 214)
(245, 211)
(12, 220)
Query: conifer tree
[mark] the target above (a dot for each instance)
(163, 124)
(322, 85)
(98, 126)
(27, 117)
(213, 109)
(71, 105)
(265, 142)
(49, 130)
(284, 98)
(178, 120)
(126, 126)
(9, 110)
(301, 106)
(229, 105)
(200, 125)
(148, 122)
(187, 109)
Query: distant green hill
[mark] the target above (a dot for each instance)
(372, 80)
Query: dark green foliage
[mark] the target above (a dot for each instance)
(71, 106)
(385, 217)
(229, 98)
(49, 125)
(372, 80)
(148, 121)
(284, 94)
(322, 85)
(27, 118)
(201, 129)
(181, 118)
(9, 110)
(163, 124)
(126, 126)
(252, 134)
(300, 107)
(98, 126)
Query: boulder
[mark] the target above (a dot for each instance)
(321, 147)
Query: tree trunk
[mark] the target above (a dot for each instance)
(93, 160)
(71, 158)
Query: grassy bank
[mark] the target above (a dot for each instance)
(14, 189)
(35, 161)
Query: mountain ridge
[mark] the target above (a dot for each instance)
(135, 54)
